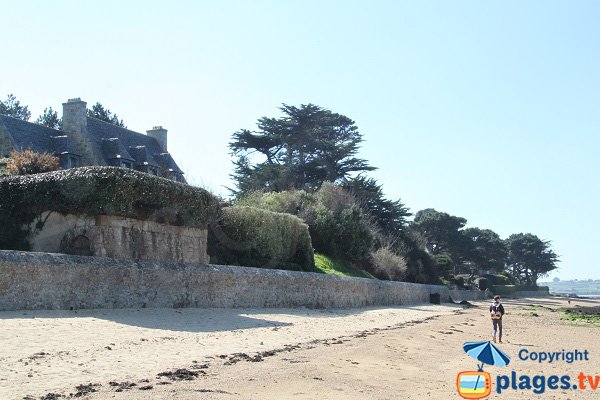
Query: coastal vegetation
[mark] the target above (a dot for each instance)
(300, 185)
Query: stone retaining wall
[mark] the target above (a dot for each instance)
(118, 237)
(33, 281)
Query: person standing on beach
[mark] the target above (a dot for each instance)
(497, 312)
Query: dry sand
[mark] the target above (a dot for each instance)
(377, 353)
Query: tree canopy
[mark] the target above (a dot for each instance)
(441, 231)
(104, 114)
(50, 119)
(389, 215)
(484, 249)
(529, 258)
(13, 108)
(309, 145)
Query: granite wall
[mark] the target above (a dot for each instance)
(119, 238)
(31, 280)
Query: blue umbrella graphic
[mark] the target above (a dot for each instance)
(487, 353)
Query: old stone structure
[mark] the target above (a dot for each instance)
(119, 238)
(34, 281)
(88, 141)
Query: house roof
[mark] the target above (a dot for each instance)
(113, 149)
(99, 130)
(26, 135)
(110, 141)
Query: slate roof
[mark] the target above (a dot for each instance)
(99, 130)
(38, 138)
(62, 145)
(143, 156)
(110, 141)
(113, 149)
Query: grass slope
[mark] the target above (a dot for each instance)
(330, 266)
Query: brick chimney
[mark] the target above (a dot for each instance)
(160, 134)
(75, 116)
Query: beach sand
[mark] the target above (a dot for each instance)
(412, 352)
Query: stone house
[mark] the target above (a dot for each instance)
(87, 141)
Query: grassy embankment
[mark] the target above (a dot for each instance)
(330, 266)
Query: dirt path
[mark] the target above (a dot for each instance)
(397, 353)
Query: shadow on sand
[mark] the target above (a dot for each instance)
(200, 319)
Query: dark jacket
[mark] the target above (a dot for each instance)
(497, 308)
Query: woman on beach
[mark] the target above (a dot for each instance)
(497, 312)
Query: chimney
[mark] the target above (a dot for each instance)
(75, 116)
(160, 134)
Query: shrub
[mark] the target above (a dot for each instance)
(337, 225)
(444, 264)
(343, 235)
(388, 265)
(253, 237)
(29, 162)
(498, 279)
(99, 191)
(483, 283)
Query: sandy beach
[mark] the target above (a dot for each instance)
(411, 352)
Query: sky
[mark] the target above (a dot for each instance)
(485, 110)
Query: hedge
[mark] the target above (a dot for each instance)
(337, 225)
(512, 289)
(99, 191)
(254, 237)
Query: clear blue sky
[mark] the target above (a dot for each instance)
(486, 110)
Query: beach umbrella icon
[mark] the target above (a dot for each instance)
(477, 385)
(486, 353)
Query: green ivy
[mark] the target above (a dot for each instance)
(99, 191)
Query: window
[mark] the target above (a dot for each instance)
(73, 162)
(126, 164)
(152, 171)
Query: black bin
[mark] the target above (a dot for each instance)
(434, 298)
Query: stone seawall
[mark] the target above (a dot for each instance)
(469, 295)
(33, 281)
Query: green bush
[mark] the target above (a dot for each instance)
(503, 290)
(483, 283)
(99, 191)
(343, 234)
(338, 227)
(459, 282)
(498, 279)
(511, 289)
(444, 264)
(253, 237)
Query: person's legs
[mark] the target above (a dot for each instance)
(494, 329)
(500, 330)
